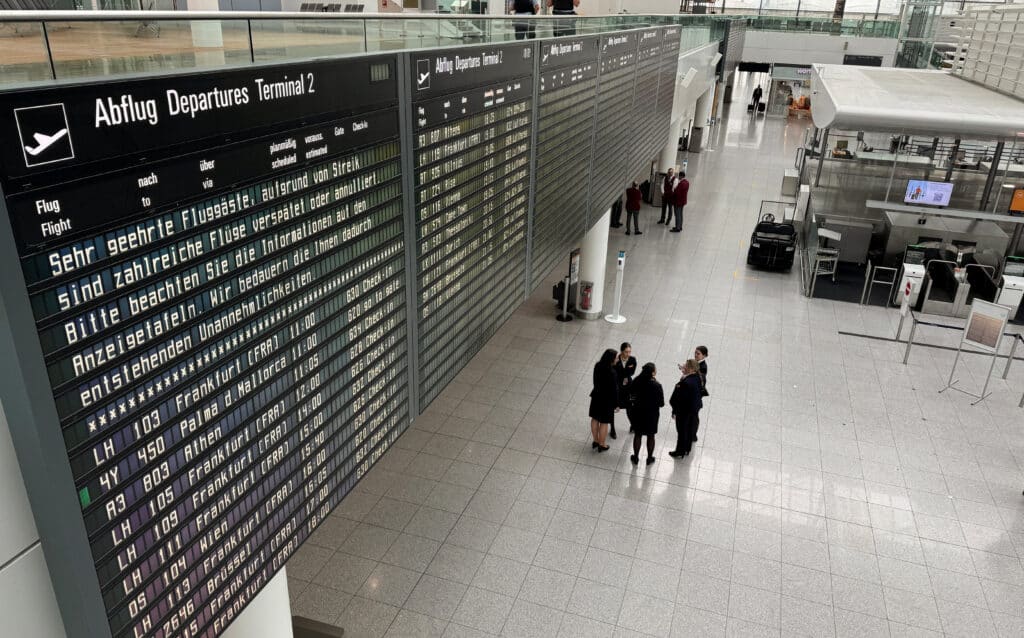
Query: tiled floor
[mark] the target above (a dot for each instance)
(834, 492)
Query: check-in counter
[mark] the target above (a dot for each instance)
(904, 230)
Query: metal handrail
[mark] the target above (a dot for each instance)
(870, 285)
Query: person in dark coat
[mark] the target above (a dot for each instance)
(667, 186)
(604, 399)
(679, 194)
(755, 99)
(625, 368)
(633, 199)
(686, 404)
(646, 400)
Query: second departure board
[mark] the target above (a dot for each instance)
(666, 88)
(565, 127)
(472, 125)
(614, 138)
(223, 321)
(645, 116)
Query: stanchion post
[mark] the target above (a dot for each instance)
(1009, 359)
(616, 316)
(565, 316)
(910, 339)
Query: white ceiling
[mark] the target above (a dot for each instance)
(911, 101)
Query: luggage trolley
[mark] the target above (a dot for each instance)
(773, 243)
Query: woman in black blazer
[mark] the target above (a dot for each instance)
(686, 404)
(646, 399)
(625, 368)
(604, 399)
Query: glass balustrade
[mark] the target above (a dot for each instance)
(72, 45)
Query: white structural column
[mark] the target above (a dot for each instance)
(28, 606)
(269, 614)
(670, 153)
(701, 118)
(593, 258)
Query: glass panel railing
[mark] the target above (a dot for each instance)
(289, 39)
(23, 55)
(102, 47)
(93, 46)
(849, 27)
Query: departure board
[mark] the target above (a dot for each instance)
(614, 138)
(666, 88)
(565, 128)
(472, 125)
(216, 267)
(645, 99)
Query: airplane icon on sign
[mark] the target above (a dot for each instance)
(44, 142)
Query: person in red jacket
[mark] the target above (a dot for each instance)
(633, 199)
(679, 200)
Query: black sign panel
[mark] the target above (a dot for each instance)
(101, 121)
(666, 89)
(644, 109)
(223, 325)
(568, 91)
(613, 141)
(472, 121)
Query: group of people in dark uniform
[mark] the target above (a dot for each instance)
(525, 29)
(642, 397)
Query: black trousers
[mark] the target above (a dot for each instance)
(525, 29)
(634, 215)
(686, 430)
(564, 26)
(665, 206)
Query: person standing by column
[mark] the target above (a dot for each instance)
(634, 197)
(667, 186)
(686, 404)
(604, 399)
(564, 26)
(679, 200)
(524, 28)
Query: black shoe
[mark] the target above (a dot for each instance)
(634, 459)
(650, 459)
(694, 439)
(612, 434)
(627, 232)
(676, 230)
(603, 448)
(637, 233)
(676, 455)
(594, 445)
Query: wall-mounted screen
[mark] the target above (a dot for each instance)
(928, 193)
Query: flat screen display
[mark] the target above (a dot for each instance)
(928, 193)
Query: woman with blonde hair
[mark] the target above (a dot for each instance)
(686, 404)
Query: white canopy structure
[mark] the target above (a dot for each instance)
(911, 101)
